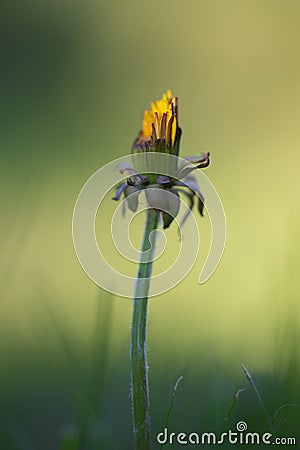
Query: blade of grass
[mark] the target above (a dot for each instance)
(259, 398)
(231, 407)
(290, 405)
(173, 396)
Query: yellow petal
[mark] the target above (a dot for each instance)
(162, 106)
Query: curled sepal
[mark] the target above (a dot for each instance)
(199, 162)
(132, 196)
(165, 201)
(201, 204)
(174, 206)
(167, 219)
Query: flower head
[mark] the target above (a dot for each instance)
(161, 133)
(160, 130)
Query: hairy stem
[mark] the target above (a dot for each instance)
(138, 348)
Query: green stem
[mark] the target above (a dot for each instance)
(138, 348)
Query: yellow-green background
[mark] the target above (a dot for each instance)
(75, 78)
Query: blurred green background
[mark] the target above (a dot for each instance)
(75, 78)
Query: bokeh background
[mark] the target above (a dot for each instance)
(75, 78)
